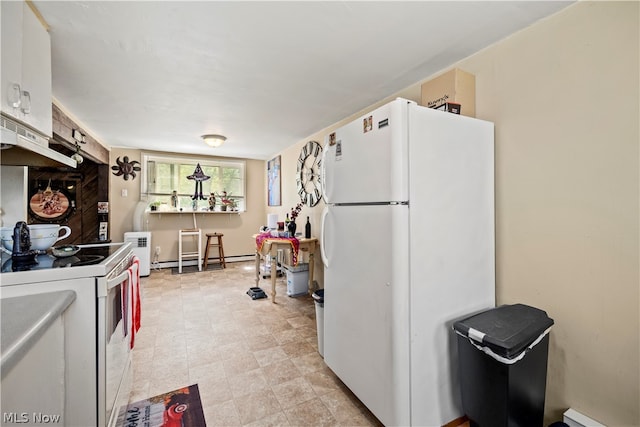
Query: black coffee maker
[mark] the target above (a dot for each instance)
(22, 256)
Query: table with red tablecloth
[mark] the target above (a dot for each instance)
(269, 245)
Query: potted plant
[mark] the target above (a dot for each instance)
(154, 205)
(292, 224)
(232, 205)
(227, 202)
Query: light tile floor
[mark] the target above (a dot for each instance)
(255, 362)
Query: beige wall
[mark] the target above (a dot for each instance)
(237, 228)
(290, 199)
(564, 97)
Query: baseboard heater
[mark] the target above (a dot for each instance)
(227, 259)
(574, 418)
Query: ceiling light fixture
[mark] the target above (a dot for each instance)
(78, 138)
(214, 140)
(77, 156)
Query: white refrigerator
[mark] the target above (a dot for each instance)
(408, 247)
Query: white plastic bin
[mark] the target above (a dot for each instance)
(297, 279)
(318, 296)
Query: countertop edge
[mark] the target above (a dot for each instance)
(20, 333)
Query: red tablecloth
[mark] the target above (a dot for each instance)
(295, 244)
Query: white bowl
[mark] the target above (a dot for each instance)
(6, 234)
(43, 236)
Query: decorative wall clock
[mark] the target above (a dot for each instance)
(308, 173)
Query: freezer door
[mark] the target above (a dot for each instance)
(366, 336)
(366, 160)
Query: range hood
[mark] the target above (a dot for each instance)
(21, 146)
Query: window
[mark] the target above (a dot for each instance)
(163, 174)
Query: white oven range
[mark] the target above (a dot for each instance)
(98, 374)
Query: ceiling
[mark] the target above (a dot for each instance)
(156, 75)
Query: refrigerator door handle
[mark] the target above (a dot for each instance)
(323, 174)
(323, 253)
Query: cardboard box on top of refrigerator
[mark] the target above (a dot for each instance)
(454, 86)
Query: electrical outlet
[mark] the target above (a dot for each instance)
(157, 250)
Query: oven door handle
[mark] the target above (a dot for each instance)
(112, 283)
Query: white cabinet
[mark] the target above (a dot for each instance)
(79, 343)
(33, 390)
(11, 13)
(26, 67)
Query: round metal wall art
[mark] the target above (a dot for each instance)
(126, 168)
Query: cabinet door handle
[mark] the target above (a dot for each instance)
(26, 102)
(14, 95)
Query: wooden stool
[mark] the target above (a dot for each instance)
(189, 232)
(220, 256)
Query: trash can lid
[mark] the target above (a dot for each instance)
(507, 330)
(318, 296)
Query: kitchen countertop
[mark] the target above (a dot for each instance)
(25, 319)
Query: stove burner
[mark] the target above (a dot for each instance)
(88, 260)
(77, 260)
(23, 262)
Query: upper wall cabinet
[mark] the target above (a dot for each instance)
(26, 67)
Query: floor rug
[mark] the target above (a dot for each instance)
(181, 407)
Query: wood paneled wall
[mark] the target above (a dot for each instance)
(88, 184)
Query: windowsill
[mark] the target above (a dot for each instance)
(189, 211)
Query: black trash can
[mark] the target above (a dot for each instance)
(502, 356)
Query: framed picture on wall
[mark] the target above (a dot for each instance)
(273, 179)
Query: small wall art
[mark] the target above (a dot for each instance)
(273, 179)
